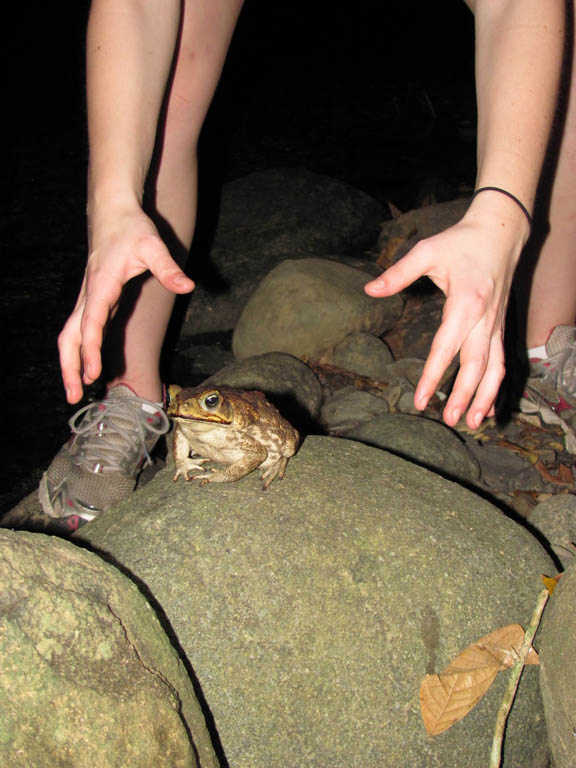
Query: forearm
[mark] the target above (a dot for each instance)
(130, 47)
(519, 47)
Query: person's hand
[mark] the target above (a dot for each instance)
(473, 264)
(124, 246)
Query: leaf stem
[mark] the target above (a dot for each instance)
(514, 679)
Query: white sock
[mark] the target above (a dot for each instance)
(150, 409)
(537, 353)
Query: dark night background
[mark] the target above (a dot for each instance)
(377, 94)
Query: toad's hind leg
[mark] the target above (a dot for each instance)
(275, 471)
(235, 471)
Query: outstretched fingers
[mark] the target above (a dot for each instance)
(110, 267)
(69, 343)
(489, 385)
(460, 317)
(80, 340)
(103, 294)
(480, 373)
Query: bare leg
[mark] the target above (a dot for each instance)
(206, 32)
(552, 296)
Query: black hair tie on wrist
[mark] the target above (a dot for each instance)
(508, 194)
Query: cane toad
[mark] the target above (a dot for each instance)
(234, 427)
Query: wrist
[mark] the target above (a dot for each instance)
(510, 196)
(111, 184)
(110, 213)
(111, 199)
(504, 209)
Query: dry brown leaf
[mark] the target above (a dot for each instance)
(546, 454)
(500, 647)
(445, 699)
(529, 419)
(395, 212)
(449, 696)
(533, 496)
(386, 256)
(563, 475)
(531, 456)
(478, 433)
(550, 582)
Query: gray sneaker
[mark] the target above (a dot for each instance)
(550, 389)
(99, 465)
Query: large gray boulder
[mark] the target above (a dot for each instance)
(306, 307)
(311, 611)
(265, 218)
(557, 647)
(88, 677)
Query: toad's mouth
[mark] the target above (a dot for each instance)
(201, 423)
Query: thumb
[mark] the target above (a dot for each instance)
(175, 280)
(165, 269)
(399, 276)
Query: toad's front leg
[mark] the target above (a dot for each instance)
(182, 461)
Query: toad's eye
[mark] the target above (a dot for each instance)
(212, 401)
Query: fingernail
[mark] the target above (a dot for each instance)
(421, 401)
(375, 285)
(477, 420)
(455, 415)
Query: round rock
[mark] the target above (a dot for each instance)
(348, 407)
(427, 442)
(362, 353)
(285, 380)
(266, 217)
(310, 612)
(306, 307)
(89, 677)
